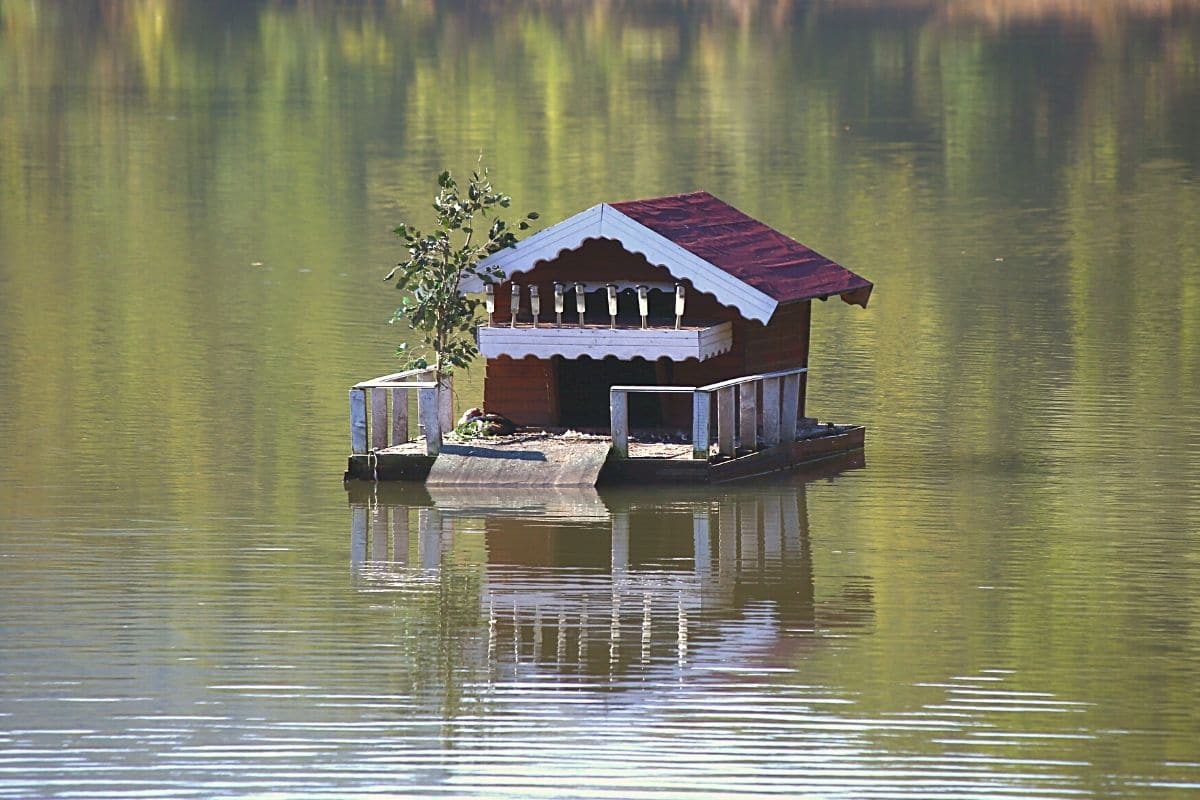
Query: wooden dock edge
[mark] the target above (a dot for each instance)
(794, 456)
(389, 467)
(790, 456)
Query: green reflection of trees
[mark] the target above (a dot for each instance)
(195, 201)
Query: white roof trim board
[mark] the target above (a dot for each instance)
(604, 221)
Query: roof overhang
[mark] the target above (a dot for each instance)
(605, 222)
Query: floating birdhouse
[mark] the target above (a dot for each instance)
(686, 357)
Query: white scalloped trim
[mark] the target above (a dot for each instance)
(605, 222)
(603, 342)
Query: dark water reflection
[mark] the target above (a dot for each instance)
(621, 587)
(196, 202)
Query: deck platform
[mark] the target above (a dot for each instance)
(572, 457)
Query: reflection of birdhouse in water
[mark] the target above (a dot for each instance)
(604, 591)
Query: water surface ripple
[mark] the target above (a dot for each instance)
(196, 206)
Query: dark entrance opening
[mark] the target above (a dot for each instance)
(583, 385)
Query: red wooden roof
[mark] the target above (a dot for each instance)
(747, 249)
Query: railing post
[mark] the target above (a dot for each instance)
(379, 438)
(800, 412)
(399, 416)
(618, 413)
(790, 408)
(726, 441)
(748, 408)
(427, 410)
(770, 411)
(701, 405)
(358, 421)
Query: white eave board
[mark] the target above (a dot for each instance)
(622, 343)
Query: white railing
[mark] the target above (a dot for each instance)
(434, 411)
(556, 303)
(769, 402)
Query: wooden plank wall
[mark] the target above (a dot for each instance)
(525, 390)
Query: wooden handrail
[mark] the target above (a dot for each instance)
(430, 400)
(388, 381)
(783, 373)
(373, 384)
(653, 388)
(739, 411)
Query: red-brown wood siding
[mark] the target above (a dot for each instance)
(782, 344)
(525, 390)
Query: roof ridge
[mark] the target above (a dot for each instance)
(693, 193)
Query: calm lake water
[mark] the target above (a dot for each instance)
(196, 202)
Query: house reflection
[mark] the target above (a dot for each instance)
(626, 584)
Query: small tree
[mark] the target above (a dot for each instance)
(468, 231)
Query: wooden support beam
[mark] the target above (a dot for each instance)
(770, 411)
(701, 433)
(618, 415)
(803, 394)
(427, 410)
(446, 403)
(379, 419)
(399, 416)
(726, 425)
(748, 415)
(358, 421)
(789, 408)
